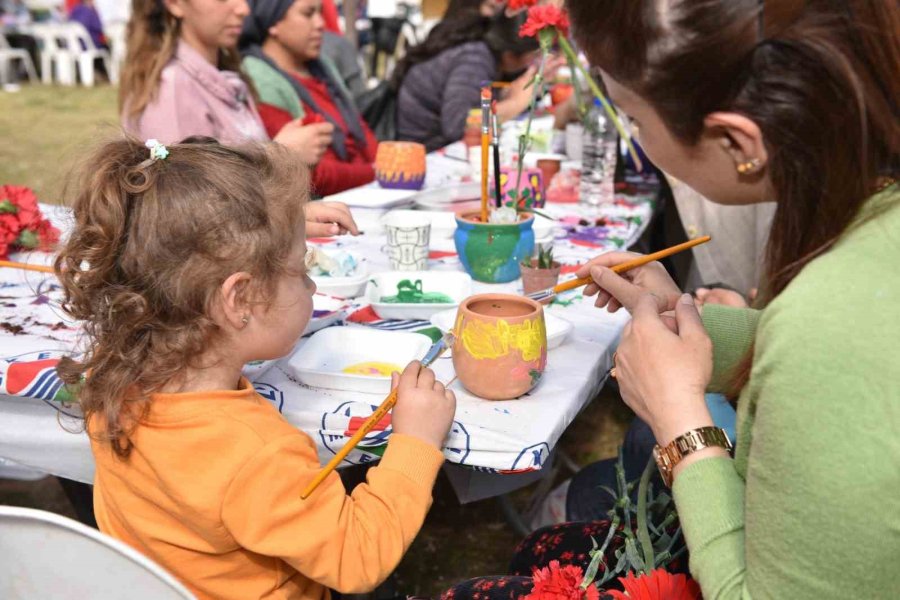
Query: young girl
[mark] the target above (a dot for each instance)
(184, 264)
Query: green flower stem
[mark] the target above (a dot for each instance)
(538, 84)
(570, 53)
(643, 533)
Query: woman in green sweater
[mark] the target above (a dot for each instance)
(747, 101)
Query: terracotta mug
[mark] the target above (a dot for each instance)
(400, 165)
(500, 351)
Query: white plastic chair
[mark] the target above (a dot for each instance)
(56, 59)
(116, 33)
(49, 556)
(8, 56)
(81, 45)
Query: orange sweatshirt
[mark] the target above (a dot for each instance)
(211, 491)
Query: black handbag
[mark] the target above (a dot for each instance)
(378, 107)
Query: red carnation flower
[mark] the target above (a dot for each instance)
(48, 236)
(555, 582)
(658, 585)
(25, 204)
(541, 17)
(520, 4)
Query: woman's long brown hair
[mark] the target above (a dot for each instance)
(151, 245)
(819, 77)
(152, 40)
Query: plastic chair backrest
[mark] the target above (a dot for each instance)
(50, 35)
(77, 37)
(49, 556)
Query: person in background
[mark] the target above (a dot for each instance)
(486, 8)
(15, 18)
(331, 17)
(346, 60)
(439, 81)
(182, 77)
(282, 42)
(86, 13)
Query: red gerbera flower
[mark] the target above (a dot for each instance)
(555, 582)
(519, 4)
(541, 17)
(658, 585)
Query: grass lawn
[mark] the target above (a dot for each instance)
(44, 130)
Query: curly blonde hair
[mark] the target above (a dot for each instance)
(151, 245)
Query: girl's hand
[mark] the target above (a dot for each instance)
(309, 142)
(663, 375)
(424, 408)
(615, 291)
(326, 219)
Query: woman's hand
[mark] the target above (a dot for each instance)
(326, 219)
(309, 142)
(663, 375)
(722, 296)
(517, 96)
(615, 291)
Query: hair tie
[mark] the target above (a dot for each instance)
(157, 150)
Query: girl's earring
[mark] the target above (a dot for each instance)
(751, 165)
(245, 320)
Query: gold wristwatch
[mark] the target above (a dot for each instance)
(692, 441)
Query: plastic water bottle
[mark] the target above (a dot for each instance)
(599, 156)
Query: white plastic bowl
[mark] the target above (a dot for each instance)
(345, 287)
(457, 286)
(320, 362)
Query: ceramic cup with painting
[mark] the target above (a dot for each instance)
(408, 240)
(491, 252)
(400, 165)
(500, 351)
(531, 189)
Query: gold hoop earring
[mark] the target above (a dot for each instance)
(745, 167)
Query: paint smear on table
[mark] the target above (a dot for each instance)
(412, 293)
(372, 369)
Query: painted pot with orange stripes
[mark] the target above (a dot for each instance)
(400, 165)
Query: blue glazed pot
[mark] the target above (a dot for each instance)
(492, 253)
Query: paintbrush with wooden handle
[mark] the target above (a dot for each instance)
(640, 261)
(441, 346)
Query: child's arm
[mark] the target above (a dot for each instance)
(348, 543)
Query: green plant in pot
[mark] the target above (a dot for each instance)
(541, 271)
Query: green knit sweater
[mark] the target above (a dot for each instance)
(810, 505)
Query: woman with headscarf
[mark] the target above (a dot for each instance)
(281, 43)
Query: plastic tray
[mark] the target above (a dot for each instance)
(321, 361)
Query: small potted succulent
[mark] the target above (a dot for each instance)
(540, 272)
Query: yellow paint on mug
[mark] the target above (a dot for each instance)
(485, 341)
